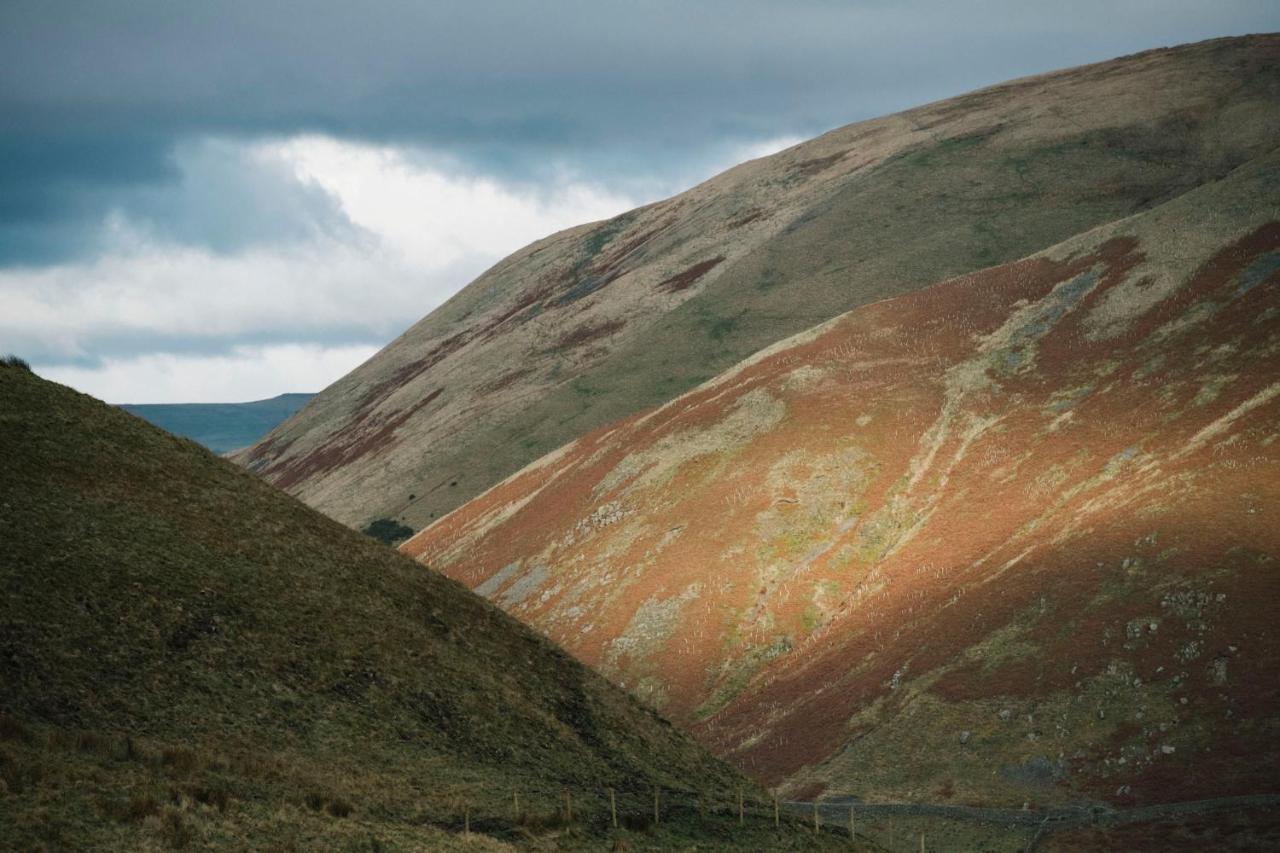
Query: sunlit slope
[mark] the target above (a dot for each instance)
(601, 321)
(1011, 537)
(189, 656)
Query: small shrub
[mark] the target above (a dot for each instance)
(175, 830)
(130, 750)
(339, 808)
(135, 809)
(15, 361)
(18, 774)
(388, 531)
(180, 759)
(92, 742)
(208, 796)
(12, 729)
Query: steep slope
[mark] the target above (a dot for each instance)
(221, 427)
(189, 656)
(601, 321)
(1011, 537)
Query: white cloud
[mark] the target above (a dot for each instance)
(157, 317)
(762, 148)
(423, 228)
(430, 211)
(246, 373)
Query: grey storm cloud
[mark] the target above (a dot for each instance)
(97, 98)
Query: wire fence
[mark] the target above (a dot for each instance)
(891, 826)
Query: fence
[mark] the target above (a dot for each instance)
(892, 826)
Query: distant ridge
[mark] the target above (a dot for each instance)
(221, 427)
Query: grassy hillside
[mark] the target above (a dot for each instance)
(221, 427)
(1010, 538)
(601, 321)
(189, 657)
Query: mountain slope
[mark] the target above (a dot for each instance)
(189, 656)
(221, 427)
(1011, 537)
(601, 321)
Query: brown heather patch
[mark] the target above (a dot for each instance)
(686, 279)
(589, 332)
(753, 215)
(808, 168)
(364, 435)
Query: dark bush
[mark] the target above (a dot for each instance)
(15, 361)
(388, 532)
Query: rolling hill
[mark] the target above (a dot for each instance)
(1009, 538)
(221, 427)
(601, 321)
(191, 658)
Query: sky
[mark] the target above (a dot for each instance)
(228, 200)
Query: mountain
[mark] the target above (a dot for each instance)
(221, 427)
(189, 657)
(1010, 538)
(605, 320)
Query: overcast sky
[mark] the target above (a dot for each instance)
(228, 200)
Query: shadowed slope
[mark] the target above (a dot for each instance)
(188, 655)
(601, 321)
(1012, 537)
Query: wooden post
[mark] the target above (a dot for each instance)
(922, 842)
(741, 813)
(817, 825)
(776, 820)
(852, 834)
(466, 820)
(655, 804)
(515, 804)
(613, 807)
(568, 806)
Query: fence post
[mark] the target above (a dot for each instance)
(568, 806)
(852, 834)
(466, 820)
(655, 804)
(922, 842)
(817, 825)
(741, 814)
(515, 804)
(613, 807)
(776, 821)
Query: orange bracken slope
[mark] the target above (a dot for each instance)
(1009, 538)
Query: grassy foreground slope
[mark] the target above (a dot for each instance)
(221, 427)
(1010, 538)
(189, 657)
(601, 321)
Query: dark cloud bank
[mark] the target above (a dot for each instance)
(97, 98)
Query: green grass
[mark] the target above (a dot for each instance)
(191, 658)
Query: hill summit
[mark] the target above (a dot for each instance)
(608, 319)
